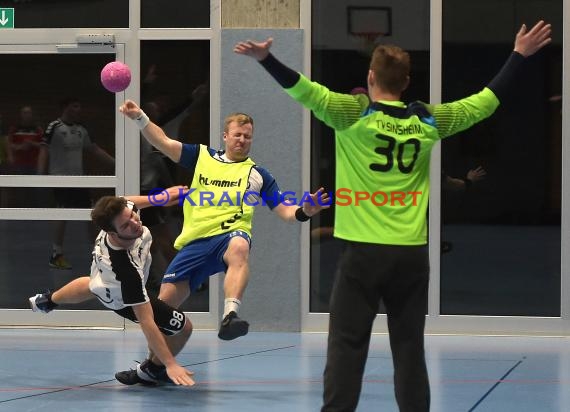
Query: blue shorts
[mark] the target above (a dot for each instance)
(200, 259)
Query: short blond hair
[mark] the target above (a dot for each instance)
(391, 67)
(240, 118)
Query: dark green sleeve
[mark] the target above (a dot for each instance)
(336, 110)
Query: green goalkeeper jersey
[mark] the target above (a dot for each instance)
(382, 158)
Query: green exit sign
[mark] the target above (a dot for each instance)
(6, 18)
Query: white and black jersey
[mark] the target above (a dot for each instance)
(66, 143)
(118, 276)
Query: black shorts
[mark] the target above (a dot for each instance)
(169, 320)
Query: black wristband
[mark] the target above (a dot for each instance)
(468, 183)
(301, 216)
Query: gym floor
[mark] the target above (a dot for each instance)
(72, 370)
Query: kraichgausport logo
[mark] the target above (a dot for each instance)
(341, 197)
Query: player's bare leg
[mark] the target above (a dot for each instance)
(174, 294)
(76, 291)
(235, 282)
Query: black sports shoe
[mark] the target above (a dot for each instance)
(148, 371)
(131, 377)
(232, 327)
(42, 302)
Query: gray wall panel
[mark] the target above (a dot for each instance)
(272, 301)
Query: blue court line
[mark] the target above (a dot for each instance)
(496, 384)
(111, 380)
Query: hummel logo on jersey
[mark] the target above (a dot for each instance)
(206, 181)
(169, 275)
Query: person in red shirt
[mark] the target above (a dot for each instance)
(24, 144)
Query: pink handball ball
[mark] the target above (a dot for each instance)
(116, 76)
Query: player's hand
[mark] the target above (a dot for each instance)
(257, 50)
(130, 109)
(175, 193)
(180, 375)
(476, 174)
(530, 41)
(319, 200)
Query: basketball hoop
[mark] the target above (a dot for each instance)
(368, 38)
(367, 41)
(368, 24)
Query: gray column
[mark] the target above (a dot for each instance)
(272, 301)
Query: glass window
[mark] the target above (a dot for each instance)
(26, 265)
(52, 197)
(68, 13)
(175, 94)
(56, 117)
(501, 232)
(342, 43)
(175, 14)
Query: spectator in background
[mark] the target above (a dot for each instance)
(23, 144)
(158, 172)
(458, 183)
(61, 153)
(155, 174)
